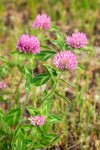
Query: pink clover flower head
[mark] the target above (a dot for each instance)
(42, 22)
(37, 120)
(77, 40)
(27, 44)
(65, 60)
(2, 85)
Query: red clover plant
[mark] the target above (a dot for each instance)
(24, 125)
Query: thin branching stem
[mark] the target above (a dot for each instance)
(53, 89)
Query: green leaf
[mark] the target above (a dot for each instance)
(54, 119)
(60, 36)
(27, 127)
(2, 116)
(56, 42)
(29, 56)
(4, 71)
(50, 70)
(47, 138)
(88, 48)
(18, 138)
(18, 132)
(67, 47)
(80, 67)
(46, 107)
(27, 70)
(45, 47)
(44, 55)
(67, 82)
(40, 79)
(21, 69)
(20, 58)
(1, 113)
(33, 111)
(73, 85)
(19, 143)
(4, 59)
(61, 96)
(59, 43)
(14, 52)
(32, 63)
(28, 73)
(27, 87)
(54, 27)
(2, 99)
(53, 82)
(13, 116)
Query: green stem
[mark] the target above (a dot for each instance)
(35, 98)
(53, 89)
(17, 86)
(26, 100)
